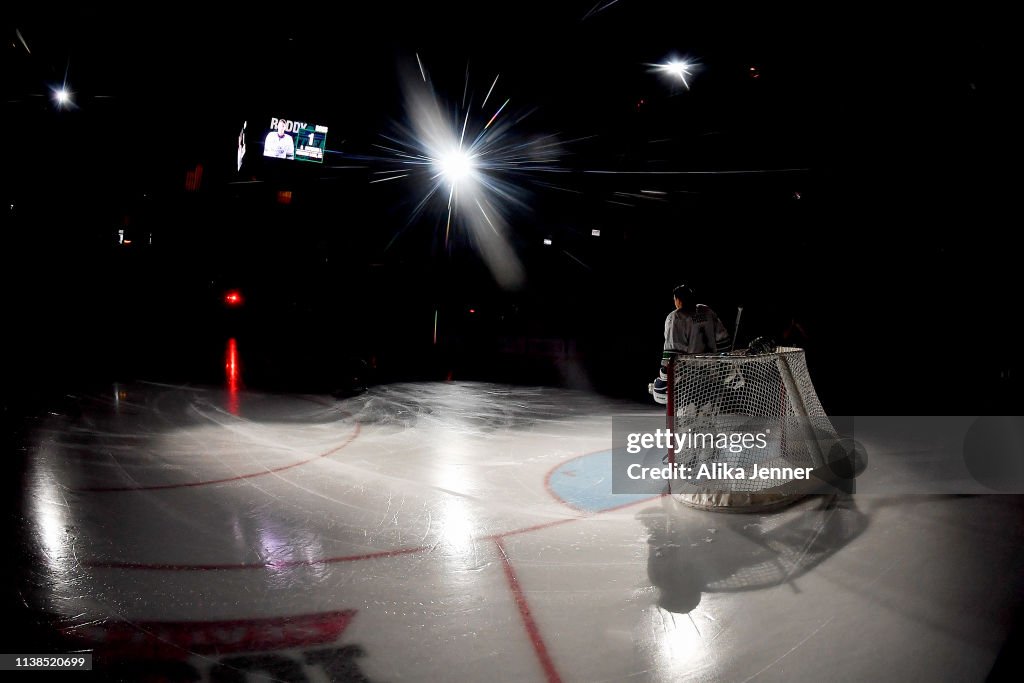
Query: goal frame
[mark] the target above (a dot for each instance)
(800, 414)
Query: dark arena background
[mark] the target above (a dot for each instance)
(320, 320)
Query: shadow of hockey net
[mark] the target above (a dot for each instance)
(769, 394)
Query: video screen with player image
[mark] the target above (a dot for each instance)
(300, 140)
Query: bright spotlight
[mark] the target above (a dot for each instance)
(62, 96)
(469, 160)
(677, 68)
(455, 166)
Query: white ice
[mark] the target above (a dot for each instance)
(414, 533)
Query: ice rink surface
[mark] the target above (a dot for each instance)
(467, 532)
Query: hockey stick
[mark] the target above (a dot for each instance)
(736, 328)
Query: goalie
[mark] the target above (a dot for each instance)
(691, 328)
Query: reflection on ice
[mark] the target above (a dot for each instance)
(233, 375)
(410, 534)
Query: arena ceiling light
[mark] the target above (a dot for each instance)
(62, 96)
(455, 166)
(677, 68)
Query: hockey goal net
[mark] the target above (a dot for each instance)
(768, 394)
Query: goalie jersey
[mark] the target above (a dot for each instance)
(699, 331)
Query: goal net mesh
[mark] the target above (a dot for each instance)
(736, 395)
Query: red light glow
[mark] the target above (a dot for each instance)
(233, 298)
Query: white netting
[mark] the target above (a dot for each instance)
(736, 394)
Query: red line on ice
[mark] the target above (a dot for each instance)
(496, 537)
(554, 468)
(536, 527)
(550, 672)
(190, 484)
(252, 565)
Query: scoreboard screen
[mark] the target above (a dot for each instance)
(300, 140)
(311, 143)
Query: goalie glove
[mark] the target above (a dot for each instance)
(761, 345)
